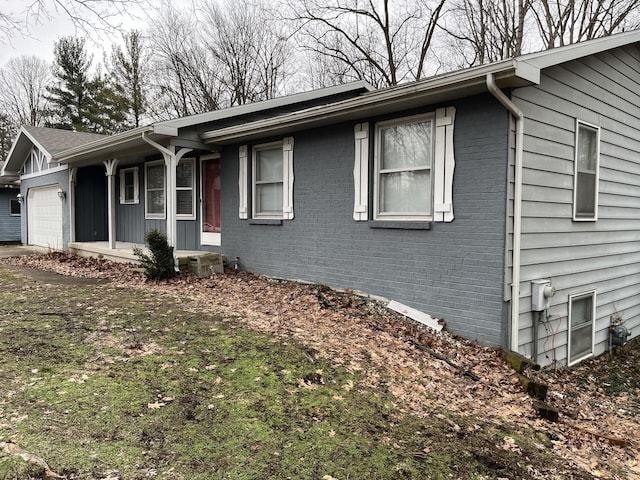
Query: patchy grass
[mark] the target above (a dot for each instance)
(106, 382)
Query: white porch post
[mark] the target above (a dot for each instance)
(71, 194)
(171, 160)
(170, 163)
(111, 165)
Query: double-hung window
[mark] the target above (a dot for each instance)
(585, 186)
(404, 160)
(272, 181)
(129, 185)
(412, 179)
(155, 190)
(268, 178)
(185, 191)
(581, 326)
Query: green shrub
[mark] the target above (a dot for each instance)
(160, 264)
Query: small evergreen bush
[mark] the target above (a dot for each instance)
(160, 264)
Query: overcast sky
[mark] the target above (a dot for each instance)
(40, 38)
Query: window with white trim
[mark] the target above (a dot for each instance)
(587, 160)
(155, 190)
(14, 207)
(185, 191)
(129, 186)
(413, 168)
(403, 162)
(272, 180)
(582, 308)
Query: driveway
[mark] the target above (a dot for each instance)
(12, 250)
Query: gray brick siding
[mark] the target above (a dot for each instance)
(453, 271)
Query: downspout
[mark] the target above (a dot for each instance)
(517, 207)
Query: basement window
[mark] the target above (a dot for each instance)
(581, 342)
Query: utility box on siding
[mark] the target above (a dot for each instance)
(207, 264)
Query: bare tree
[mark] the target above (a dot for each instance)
(186, 81)
(378, 41)
(23, 87)
(563, 22)
(87, 15)
(250, 49)
(486, 30)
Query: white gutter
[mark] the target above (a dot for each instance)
(517, 207)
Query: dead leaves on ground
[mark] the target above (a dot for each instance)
(361, 335)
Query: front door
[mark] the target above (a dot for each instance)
(210, 201)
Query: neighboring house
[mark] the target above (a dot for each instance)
(9, 209)
(459, 195)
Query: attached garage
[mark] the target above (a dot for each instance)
(44, 217)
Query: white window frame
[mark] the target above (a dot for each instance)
(576, 216)
(192, 188)
(254, 182)
(123, 187)
(151, 215)
(11, 202)
(377, 215)
(572, 298)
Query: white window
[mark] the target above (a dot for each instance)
(272, 186)
(155, 185)
(413, 168)
(581, 341)
(129, 186)
(403, 163)
(185, 192)
(14, 207)
(587, 159)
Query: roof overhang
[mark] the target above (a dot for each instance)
(121, 146)
(19, 150)
(508, 74)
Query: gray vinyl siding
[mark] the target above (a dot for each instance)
(9, 224)
(581, 256)
(453, 271)
(59, 178)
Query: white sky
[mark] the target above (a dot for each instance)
(40, 38)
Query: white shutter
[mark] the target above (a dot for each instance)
(287, 178)
(242, 181)
(444, 165)
(361, 173)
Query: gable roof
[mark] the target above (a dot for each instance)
(49, 141)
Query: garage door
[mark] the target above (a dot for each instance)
(44, 217)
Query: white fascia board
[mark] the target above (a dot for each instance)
(436, 85)
(163, 129)
(17, 163)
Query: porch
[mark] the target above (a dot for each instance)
(123, 252)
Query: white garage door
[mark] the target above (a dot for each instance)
(44, 217)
